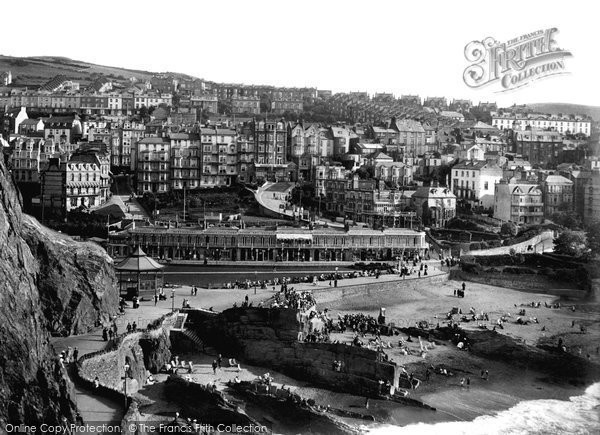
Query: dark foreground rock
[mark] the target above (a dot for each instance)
(47, 283)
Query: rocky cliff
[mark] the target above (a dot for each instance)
(47, 283)
(76, 281)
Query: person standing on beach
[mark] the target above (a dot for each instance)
(214, 366)
(468, 382)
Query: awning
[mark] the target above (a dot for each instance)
(294, 237)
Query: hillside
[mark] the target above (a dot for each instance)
(35, 71)
(554, 108)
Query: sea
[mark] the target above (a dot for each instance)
(579, 415)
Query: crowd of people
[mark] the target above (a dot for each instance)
(288, 297)
(359, 323)
(331, 277)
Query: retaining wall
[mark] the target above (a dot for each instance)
(529, 282)
(108, 365)
(336, 293)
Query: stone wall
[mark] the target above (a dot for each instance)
(143, 350)
(324, 295)
(530, 282)
(268, 338)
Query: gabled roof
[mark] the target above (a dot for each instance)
(380, 155)
(31, 121)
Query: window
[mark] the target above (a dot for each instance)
(485, 186)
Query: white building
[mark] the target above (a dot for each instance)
(473, 182)
(561, 124)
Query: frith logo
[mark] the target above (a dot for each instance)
(516, 63)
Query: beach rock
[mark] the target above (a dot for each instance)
(202, 403)
(269, 338)
(33, 386)
(156, 351)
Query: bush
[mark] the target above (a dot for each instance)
(471, 268)
(475, 246)
(509, 229)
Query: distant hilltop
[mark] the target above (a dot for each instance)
(36, 71)
(556, 108)
(39, 69)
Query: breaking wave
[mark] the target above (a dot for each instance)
(579, 415)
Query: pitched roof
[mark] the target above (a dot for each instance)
(557, 179)
(483, 126)
(138, 262)
(381, 156)
(409, 125)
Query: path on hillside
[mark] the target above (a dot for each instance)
(264, 195)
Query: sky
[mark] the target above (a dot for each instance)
(369, 45)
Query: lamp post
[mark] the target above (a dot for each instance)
(172, 300)
(125, 376)
(255, 273)
(336, 277)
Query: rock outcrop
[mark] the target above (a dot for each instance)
(269, 338)
(76, 280)
(33, 386)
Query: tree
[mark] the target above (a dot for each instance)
(143, 112)
(509, 229)
(592, 232)
(365, 172)
(265, 103)
(571, 243)
(224, 107)
(568, 219)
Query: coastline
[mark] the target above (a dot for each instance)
(409, 301)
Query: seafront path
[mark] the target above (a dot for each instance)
(99, 409)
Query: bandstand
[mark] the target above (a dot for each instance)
(135, 272)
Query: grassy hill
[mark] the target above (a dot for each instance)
(555, 108)
(37, 70)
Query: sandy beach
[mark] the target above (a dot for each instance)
(410, 302)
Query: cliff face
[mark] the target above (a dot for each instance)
(32, 384)
(76, 281)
